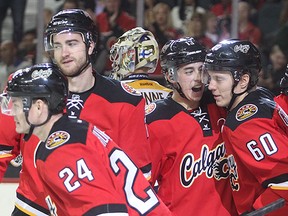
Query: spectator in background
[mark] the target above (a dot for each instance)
(277, 58)
(10, 61)
(182, 14)
(222, 8)
(47, 15)
(246, 29)
(196, 29)
(112, 23)
(211, 23)
(27, 46)
(275, 69)
(162, 29)
(69, 4)
(18, 11)
(223, 11)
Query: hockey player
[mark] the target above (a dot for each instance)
(188, 160)
(255, 141)
(134, 56)
(114, 107)
(79, 165)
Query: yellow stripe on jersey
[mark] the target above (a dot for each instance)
(279, 186)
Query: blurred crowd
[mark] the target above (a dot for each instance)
(263, 22)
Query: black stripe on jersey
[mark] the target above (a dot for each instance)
(112, 91)
(108, 208)
(166, 109)
(32, 204)
(5, 147)
(76, 128)
(275, 180)
(260, 98)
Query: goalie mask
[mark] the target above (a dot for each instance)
(137, 48)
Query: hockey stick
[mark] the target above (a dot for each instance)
(268, 208)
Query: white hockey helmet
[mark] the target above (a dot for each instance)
(136, 48)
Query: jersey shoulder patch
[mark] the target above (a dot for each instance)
(56, 139)
(130, 90)
(246, 111)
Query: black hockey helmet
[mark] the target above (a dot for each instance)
(43, 81)
(236, 56)
(71, 20)
(181, 51)
(284, 82)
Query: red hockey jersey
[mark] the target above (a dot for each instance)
(282, 100)
(189, 160)
(257, 153)
(85, 173)
(9, 141)
(119, 111)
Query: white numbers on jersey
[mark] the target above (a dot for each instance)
(268, 144)
(141, 205)
(82, 172)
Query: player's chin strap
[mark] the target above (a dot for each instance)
(234, 95)
(179, 90)
(32, 126)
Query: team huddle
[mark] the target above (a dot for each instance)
(210, 142)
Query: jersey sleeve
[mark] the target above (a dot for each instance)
(133, 136)
(262, 149)
(9, 142)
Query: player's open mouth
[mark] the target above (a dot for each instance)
(196, 89)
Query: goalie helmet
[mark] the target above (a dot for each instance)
(180, 52)
(71, 20)
(236, 56)
(43, 81)
(136, 48)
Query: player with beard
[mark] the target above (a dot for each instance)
(189, 161)
(115, 107)
(255, 139)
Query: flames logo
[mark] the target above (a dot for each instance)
(56, 139)
(246, 111)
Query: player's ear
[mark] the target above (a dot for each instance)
(244, 81)
(91, 47)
